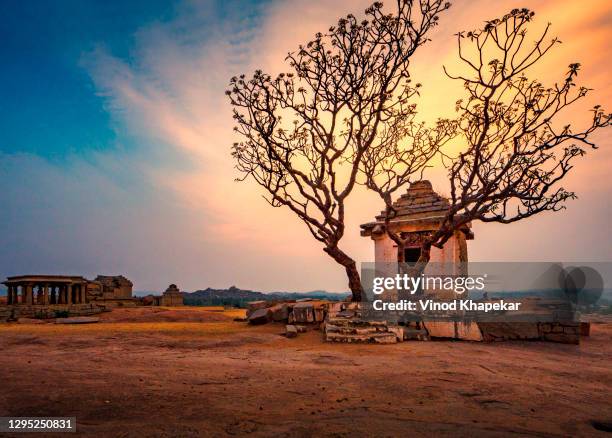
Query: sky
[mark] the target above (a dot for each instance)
(115, 139)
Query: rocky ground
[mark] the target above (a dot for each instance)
(192, 372)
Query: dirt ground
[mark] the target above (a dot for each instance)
(193, 372)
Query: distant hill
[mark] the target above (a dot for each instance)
(239, 297)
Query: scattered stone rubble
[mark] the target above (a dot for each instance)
(298, 315)
(344, 322)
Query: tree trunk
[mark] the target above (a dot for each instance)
(425, 253)
(351, 271)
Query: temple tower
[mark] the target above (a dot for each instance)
(419, 212)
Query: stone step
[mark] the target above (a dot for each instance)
(330, 328)
(355, 322)
(373, 338)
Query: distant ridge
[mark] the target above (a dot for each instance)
(238, 297)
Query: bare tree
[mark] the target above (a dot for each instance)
(400, 159)
(305, 133)
(515, 148)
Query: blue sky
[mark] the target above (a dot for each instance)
(49, 102)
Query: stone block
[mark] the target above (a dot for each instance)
(259, 316)
(78, 320)
(398, 331)
(585, 329)
(377, 338)
(563, 338)
(319, 313)
(334, 308)
(505, 331)
(413, 334)
(30, 321)
(384, 338)
(302, 312)
(440, 329)
(468, 331)
(291, 331)
(256, 305)
(279, 312)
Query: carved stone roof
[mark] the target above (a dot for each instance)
(44, 278)
(118, 280)
(419, 204)
(172, 289)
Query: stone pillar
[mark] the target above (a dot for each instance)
(69, 294)
(83, 293)
(28, 294)
(46, 294)
(9, 295)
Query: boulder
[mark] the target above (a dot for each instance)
(259, 316)
(291, 331)
(279, 312)
(256, 305)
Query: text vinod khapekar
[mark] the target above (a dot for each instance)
(433, 306)
(456, 283)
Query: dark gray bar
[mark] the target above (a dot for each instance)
(37, 424)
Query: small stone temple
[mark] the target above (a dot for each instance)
(172, 297)
(419, 212)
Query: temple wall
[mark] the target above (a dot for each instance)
(454, 251)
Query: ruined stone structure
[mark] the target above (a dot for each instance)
(419, 212)
(111, 287)
(46, 296)
(46, 290)
(172, 297)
